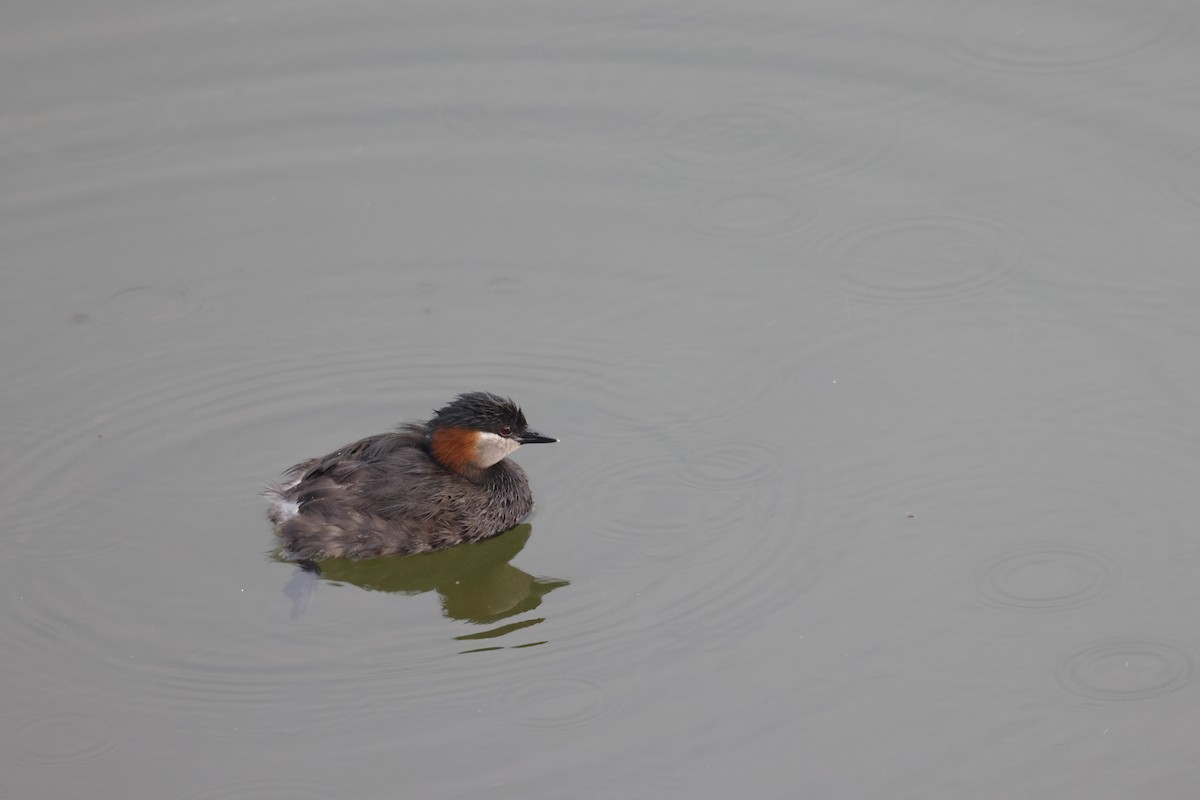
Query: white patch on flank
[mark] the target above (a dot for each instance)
(285, 509)
(491, 448)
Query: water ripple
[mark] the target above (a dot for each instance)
(1125, 669)
(671, 503)
(146, 305)
(810, 131)
(662, 515)
(1047, 577)
(61, 739)
(752, 211)
(240, 683)
(684, 384)
(1087, 533)
(767, 562)
(731, 464)
(56, 477)
(106, 128)
(1042, 37)
(926, 258)
(1184, 180)
(274, 787)
(513, 99)
(555, 702)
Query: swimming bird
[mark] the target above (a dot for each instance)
(425, 486)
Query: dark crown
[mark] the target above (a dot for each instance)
(481, 411)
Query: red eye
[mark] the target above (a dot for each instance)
(505, 430)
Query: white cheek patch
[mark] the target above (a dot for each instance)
(491, 448)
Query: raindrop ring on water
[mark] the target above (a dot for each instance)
(1125, 669)
(1037, 37)
(563, 702)
(148, 305)
(104, 128)
(272, 787)
(750, 212)
(61, 739)
(1048, 577)
(812, 131)
(924, 258)
(732, 465)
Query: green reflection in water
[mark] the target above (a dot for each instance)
(475, 581)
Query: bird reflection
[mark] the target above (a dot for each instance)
(475, 581)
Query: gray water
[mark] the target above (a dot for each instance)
(868, 328)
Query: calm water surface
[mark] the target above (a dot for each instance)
(869, 330)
